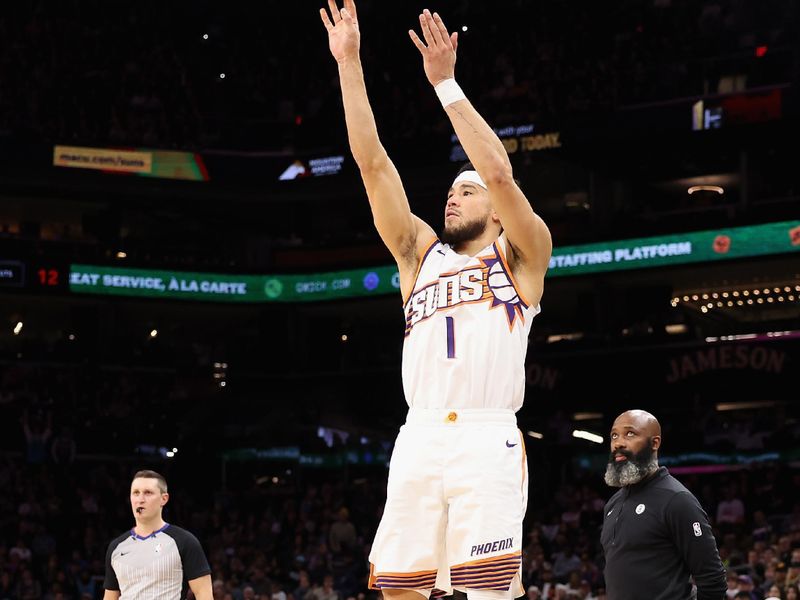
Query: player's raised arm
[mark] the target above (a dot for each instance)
(525, 231)
(405, 235)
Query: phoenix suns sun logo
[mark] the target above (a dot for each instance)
(490, 282)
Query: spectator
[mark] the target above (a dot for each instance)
(343, 533)
(28, 588)
(746, 588)
(731, 509)
(277, 592)
(565, 562)
(303, 589)
(63, 448)
(37, 431)
(326, 591)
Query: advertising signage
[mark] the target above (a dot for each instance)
(695, 247)
(698, 246)
(216, 287)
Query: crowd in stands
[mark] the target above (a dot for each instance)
(304, 534)
(149, 77)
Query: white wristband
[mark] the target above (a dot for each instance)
(449, 91)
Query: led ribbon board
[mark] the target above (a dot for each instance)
(217, 287)
(701, 246)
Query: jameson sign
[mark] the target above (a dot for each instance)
(215, 287)
(700, 246)
(717, 358)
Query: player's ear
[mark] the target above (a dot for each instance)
(655, 442)
(164, 498)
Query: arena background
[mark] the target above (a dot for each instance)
(191, 281)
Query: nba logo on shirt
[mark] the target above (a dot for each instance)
(158, 548)
(697, 530)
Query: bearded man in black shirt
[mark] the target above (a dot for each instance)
(656, 536)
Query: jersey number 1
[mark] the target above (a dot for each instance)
(451, 337)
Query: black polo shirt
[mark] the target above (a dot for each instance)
(656, 537)
(158, 566)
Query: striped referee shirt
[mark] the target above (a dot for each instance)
(157, 567)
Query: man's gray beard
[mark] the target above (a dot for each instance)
(630, 473)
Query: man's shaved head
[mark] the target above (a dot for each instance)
(644, 421)
(635, 440)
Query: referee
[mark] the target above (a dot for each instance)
(155, 559)
(656, 536)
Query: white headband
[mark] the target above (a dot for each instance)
(472, 177)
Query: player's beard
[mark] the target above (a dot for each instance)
(464, 232)
(629, 472)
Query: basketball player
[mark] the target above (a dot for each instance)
(155, 559)
(457, 488)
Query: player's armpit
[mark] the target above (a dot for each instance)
(111, 595)
(424, 238)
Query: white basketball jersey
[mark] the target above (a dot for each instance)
(467, 332)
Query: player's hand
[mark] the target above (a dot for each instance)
(439, 48)
(344, 38)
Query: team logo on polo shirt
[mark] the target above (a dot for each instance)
(698, 531)
(640, 509)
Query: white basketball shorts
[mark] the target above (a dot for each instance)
(456, 497)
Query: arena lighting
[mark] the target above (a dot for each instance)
(559, 337)
(706, 188)
(154, 333)
(676, 328)
(752, 336)
(71, 337)
(755, 404)
(536, 434)
(205, 36)
(18, 328)
(122, 254)
(744, 297)
(587, 435)
(344, 337)
(587, 416)
(170, 454)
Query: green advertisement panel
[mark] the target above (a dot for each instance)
(218, 287)
(700, 246)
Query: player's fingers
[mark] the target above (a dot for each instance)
(426, 30)
(334, 11)
(347, 17)
(438, 26)
(350, 5)
(417, 42)
(325, 19)
(454, 41)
